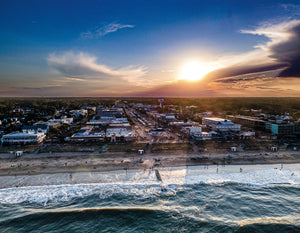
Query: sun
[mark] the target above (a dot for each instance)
(194, 71)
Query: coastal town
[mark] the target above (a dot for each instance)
(146, 128)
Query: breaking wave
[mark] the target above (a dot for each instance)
(173, 180)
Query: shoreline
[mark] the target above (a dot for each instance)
(170, 175)
(45, 163)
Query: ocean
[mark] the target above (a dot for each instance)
(252, 198)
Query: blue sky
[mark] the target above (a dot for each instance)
(118, 47)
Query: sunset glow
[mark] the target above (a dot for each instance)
(194, 71)
(133, 48)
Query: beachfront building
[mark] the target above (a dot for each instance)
(88, 133)
(280, 129)
(220, 124)
(247, 135)
(203, 136)
(197, 133)
(120, 134)
(22, 138)
(297, 128)
(252, 122)
(275, 126)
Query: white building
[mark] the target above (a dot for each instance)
(87, 134)
(220, 124)
(197, 134)
(170, 117)
(195, 131)
(247, 135)
(117, 133)
(22, 138)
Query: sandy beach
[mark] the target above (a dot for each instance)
(49, 163)
(43, 168)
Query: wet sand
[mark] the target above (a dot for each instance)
(169, 175)
(46, 163)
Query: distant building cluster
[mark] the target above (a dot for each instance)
(276, 125)
(37, 131)
(137, 122)
(109, 124)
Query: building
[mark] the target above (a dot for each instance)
(78, 113)
(106, 116)
(195, 131)
(184, 124)
(297, 128)
(38, 128)
(114, 132)
(92, 108)
(275, 126)
(203, 136)
(220, 124)
(280, 129)
(88, 133)
(63, 120)
(246, 135)
(113, 112)
(252, 122)
(22, 138)
(119, 134)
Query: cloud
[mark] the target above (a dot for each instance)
(83, 66)
(42, 87)
(104, 30)
(280, 53)
(292, 9)
(284, 45)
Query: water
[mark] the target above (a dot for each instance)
(261, 198)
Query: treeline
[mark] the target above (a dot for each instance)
(227, 106)
(48, 106)
(234, 105)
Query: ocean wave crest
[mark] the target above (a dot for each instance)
(172, 182)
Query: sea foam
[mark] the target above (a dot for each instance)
(143, 188)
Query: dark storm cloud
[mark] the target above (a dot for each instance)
(233, 71)
(281, 52)
(289, 52)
